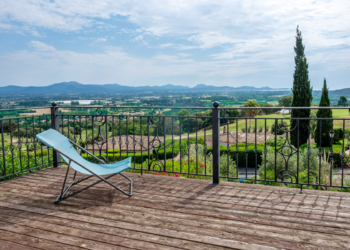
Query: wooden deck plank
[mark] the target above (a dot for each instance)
(57, 237)
(262, 202)
(130, 232)
(230, 237)
(341, 226)
(6, 245)
(155, 230)
(294, 215)
(278, 207)
(315, 201)
(34, 242)
(84, 234)
(314, 241)
(330, 240)
(170, 213)
(61, 171)
(252, 193)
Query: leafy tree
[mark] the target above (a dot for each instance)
(251, 112)
(326, 124)
(9, 128)
(286, 101)
(191, 125)
(343, 102)
(302, 94)
(77, 129)
(267, 111)
(229, 113)
(184, 112)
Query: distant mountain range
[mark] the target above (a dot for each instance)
(340, 92)
(78, 88)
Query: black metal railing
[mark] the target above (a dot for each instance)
(210, 144)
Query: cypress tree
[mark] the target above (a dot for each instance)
(324, 113)
(302, 94)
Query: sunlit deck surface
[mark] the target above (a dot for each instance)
(169, 213)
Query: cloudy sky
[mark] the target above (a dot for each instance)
(180, 42)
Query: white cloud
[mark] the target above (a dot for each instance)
(210, 39)
(45, 65)
(137, 38)
(99, 40)
(246, 37)
(41, 46)
(166, 45)
(204, 24)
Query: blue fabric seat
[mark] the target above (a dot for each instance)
(63, 145)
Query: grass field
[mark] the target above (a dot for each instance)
(275, 103)
(46, 111)
(270, 119)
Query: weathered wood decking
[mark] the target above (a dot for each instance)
(169, 213)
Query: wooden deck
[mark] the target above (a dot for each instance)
(169, 213)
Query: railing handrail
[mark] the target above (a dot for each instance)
(172, 107)
(45, 107)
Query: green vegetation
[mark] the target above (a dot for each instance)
(324, 125)
(20, 162)
(302, 94)
(286, 101)
(251, 113)
(343, 102)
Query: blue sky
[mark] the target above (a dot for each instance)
(135, 43)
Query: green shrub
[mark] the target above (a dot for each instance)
(17, 161)
(244, 155)
(116, 151)
(135, 158)
(337, 149)
(280, 141)
(243, 144)
(308, 163)
(338, 135)
(279, 130)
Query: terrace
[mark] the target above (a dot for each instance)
(250, 194)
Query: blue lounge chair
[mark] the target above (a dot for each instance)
(62, 144)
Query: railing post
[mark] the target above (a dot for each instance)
(55, 124)
(216, 143)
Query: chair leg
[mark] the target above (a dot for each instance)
(63, 195)
(64, 190)
(131, 184)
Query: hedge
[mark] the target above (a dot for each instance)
(116, 151)
(242, 155)
(117, 157)
(169, 151)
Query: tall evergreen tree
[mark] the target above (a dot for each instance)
(324, 113)
(302, 94)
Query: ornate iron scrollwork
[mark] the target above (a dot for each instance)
(155, 123)
(156, 143)
(287, 173)
(286, 156)
(99, 120)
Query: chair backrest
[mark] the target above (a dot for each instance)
(56, 140)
